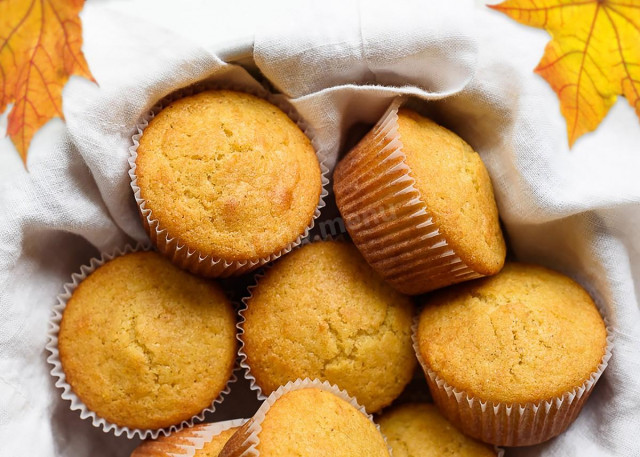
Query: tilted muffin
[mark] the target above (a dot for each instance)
(203, 440)
(418, 203)
(419, 430)
(322, 312)
(225, 180)
(529, 342)
(308, 419)
(146, 345)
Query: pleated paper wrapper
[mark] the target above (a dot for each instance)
(186, 442)
(386, 218)
(509, 424)
(171, 245)
(57, 370)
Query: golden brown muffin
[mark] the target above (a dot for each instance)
(178, 443)
(146, 345)
(419, 430)
(418, 203)
(310, 422)
(229, 175)
(524, 336)
(322, 312)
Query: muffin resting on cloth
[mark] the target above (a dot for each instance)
(322, 312)
(419, 430)
(228, 175)
(188, 441)
(308, 422)
(418, 203)
(146, 345)
(529, 343)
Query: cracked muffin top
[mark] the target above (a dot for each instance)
(323, 312)
(309, 422)
(146, 345)
(525, 335)
(418, 429)
(229, 175)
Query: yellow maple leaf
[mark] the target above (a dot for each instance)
(594, 54)
(40, 47)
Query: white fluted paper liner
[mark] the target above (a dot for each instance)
(251, 430)
(246, 369)
(61, 381)
(170, 245)
(509, 424)
(187, 441)
(242, 356)
(386, 217)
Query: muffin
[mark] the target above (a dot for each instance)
(203, 440)
(225, 181)
(322, 312)
(418, 203)
(419, 430)
(511, 359)
(145, 345)
(308, 419)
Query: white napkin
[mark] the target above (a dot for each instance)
(341, 63)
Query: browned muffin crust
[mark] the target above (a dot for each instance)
(229, 175)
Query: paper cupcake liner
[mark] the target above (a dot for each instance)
(509, 424)
(242, 356)
(245, 442)
(186, 442)
(171, 246)
(386, 218)
(61, 380)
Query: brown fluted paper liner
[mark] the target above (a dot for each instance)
(171, 246)
(186, 442)
(505, 424)
(61, 381)
(386, 218)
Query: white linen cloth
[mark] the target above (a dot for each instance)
(341, 62)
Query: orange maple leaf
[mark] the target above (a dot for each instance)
(40, 43)
(593, 57)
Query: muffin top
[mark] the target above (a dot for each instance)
(419, 429)
(524, 335)
(146, 345)
(455, 187)
(228, 174)
(175, 444)
(322, 312)
(314, 422)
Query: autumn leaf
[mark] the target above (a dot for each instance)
(40, 43)
(593, 57)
